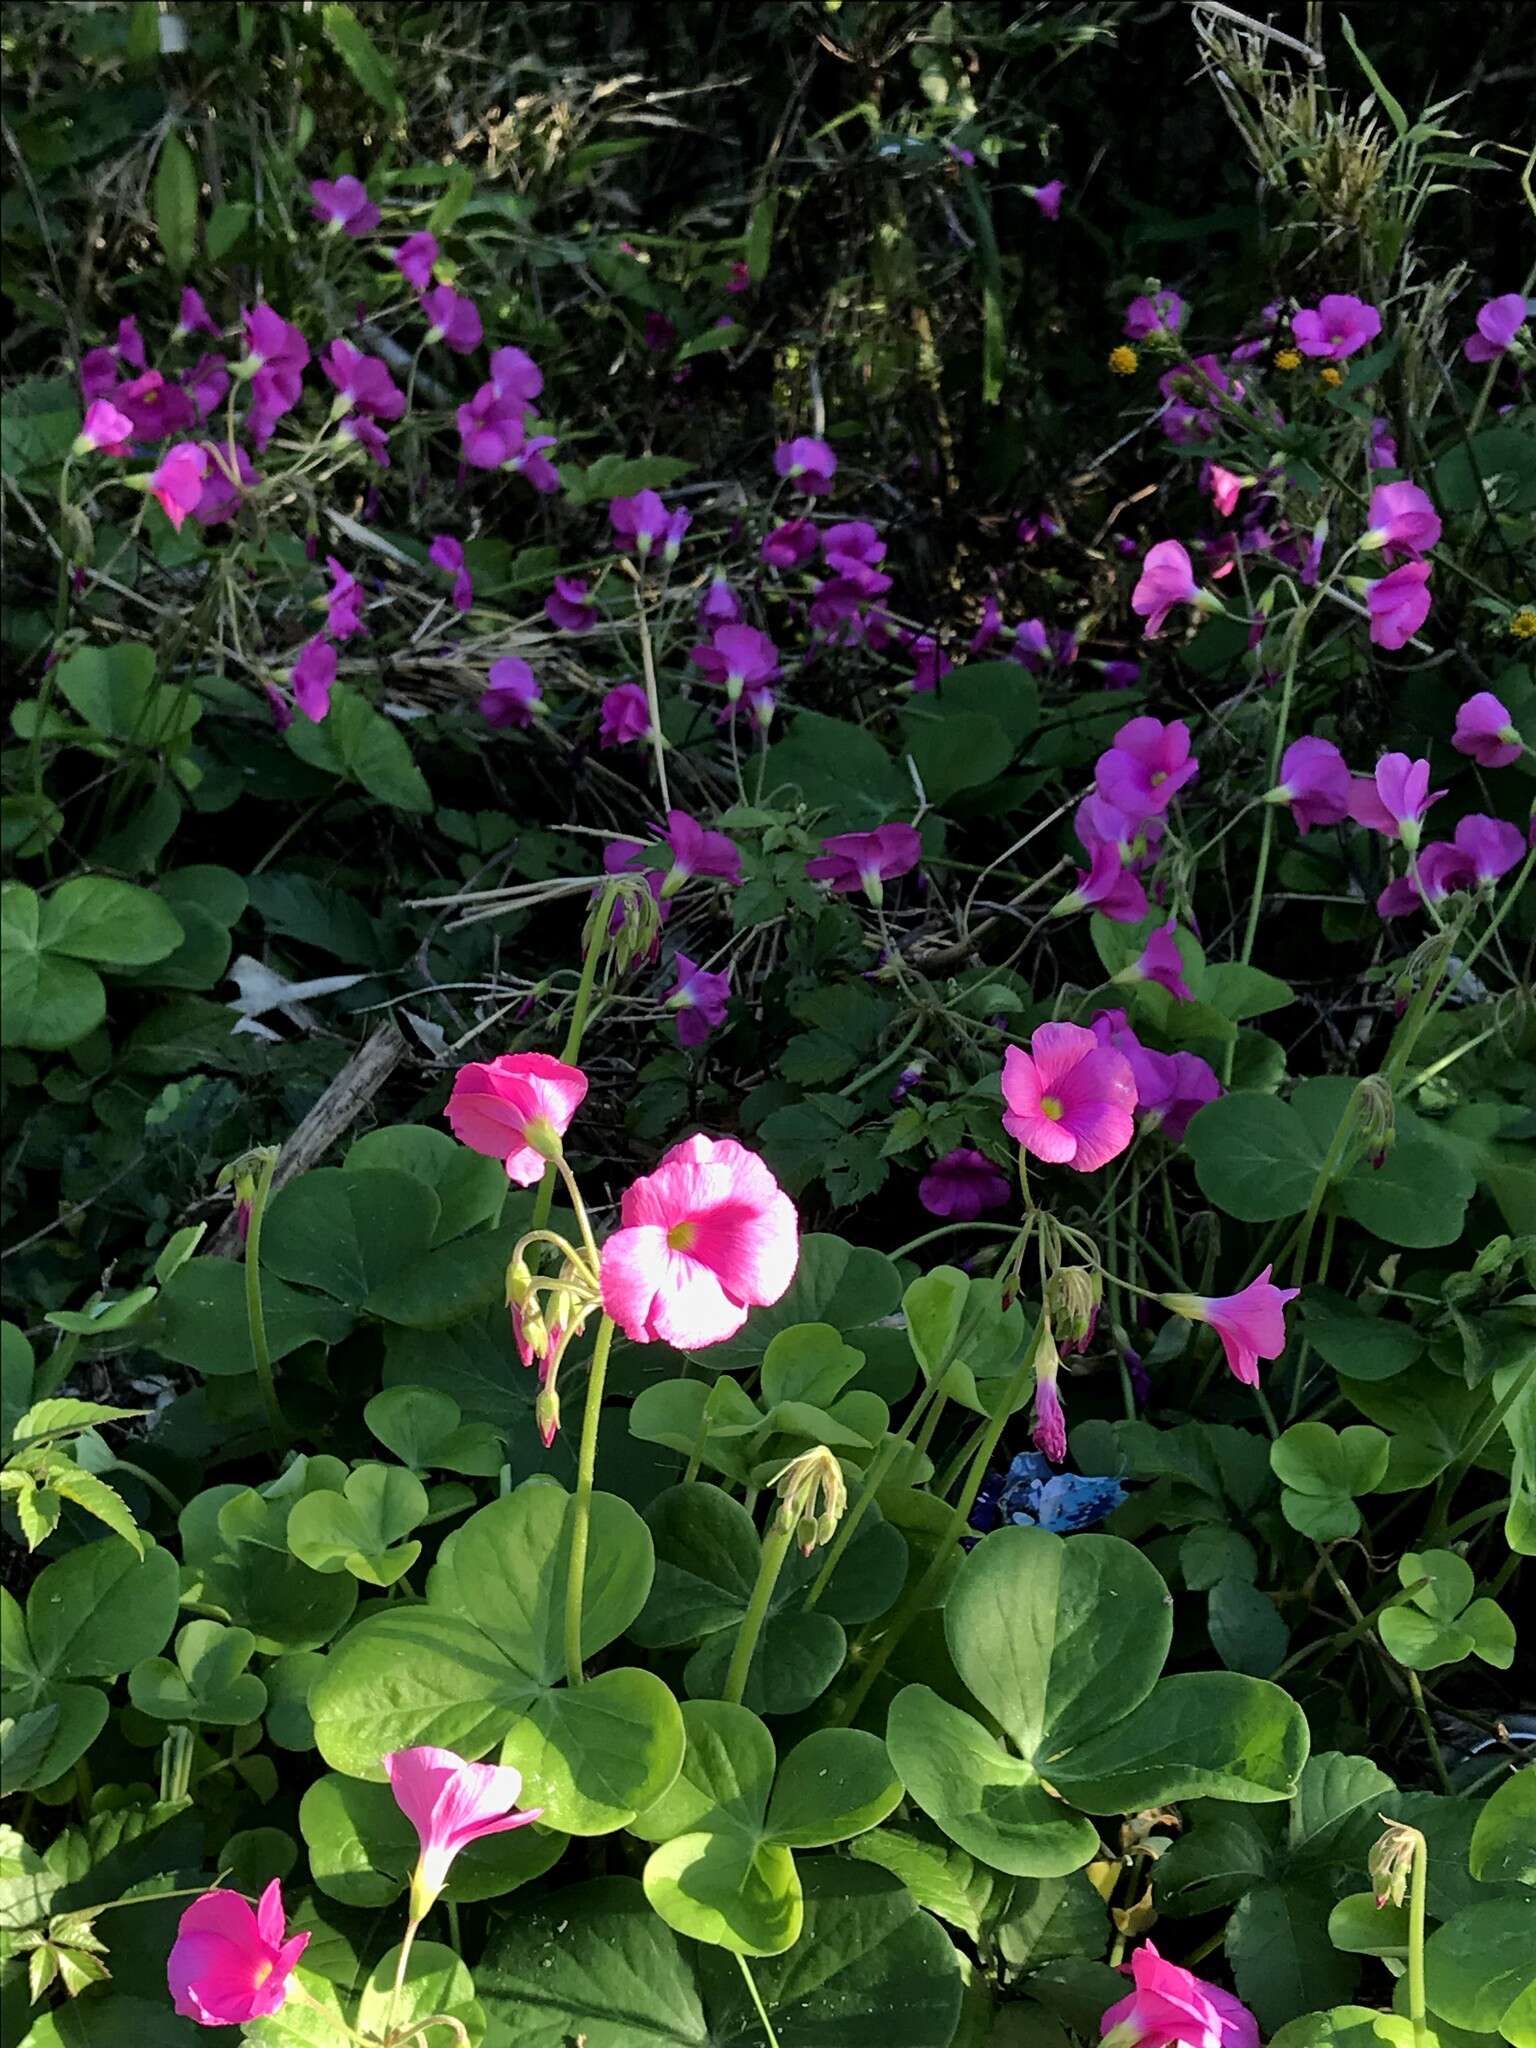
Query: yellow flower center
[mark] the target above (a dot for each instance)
(1523, 624)
(260, 1975)
(1288, 359)
(1051, 1106)
(682, 1236)
(1123, 361)
(1330, 379)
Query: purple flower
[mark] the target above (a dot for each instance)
(1099, 822)
(1398, 604)
(962, 1184)
(343, 603)
(531, 461)
(625, 716)
(789, 545)
(1156, 318)
(368, 434)
(1383, 451)
(1403, 521)
(344, 204)
(699, 1000)
(1161, 961)
(1394, 800)
(515, 374)
(1190, 390)
(157, 408)
(447, 554)
(452, 318)
(311, 678)
(1484, 728)
(490, 428)
(130, 343)
(1314, 781)
(206, 384)
(1498, 322)
(660, 333)
(740, 279)
(513, 695)
(1170, 1087)
(193, 317)
(852, 544)
(569, 607)
(1484, 849)
(273, 344)
(1336, 327)
(719, 606)
(1047, 197)
(365, 380)
(740, 657)
(639, 522)
(807, 462)
(177, 482)
(1119, 675)
(1167, 579)
(414, 260)
(1107, 885)
(866, 860)
(991, 625)
(98, 372)
(222, 487)
(697, 852)
(1146, 767)
(929, 660)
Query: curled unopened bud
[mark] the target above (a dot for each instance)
(1376, 1117)
(1391, 1860)
(519, 1282)
(812, 1495)
(1072, 1296)
(546, 1412)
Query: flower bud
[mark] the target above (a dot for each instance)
(813, 1496)
(1391, 1860)
(1376, 1117)
(519, 1282)
(1072, 1296)
(546, 1412)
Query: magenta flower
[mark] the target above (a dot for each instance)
(229, 1963)
(1146, 767)
(343, 204)
(531, 461)
(516, 1109)
(1395, 799)
(490, 428)
(962, 1184)
(699, 1000)
(414, 260)
(1484, 849)
(223, 488)
(1251, 1325)
(1399, 604)
(1338, 326)
(807, 462)
(1157, 318)
(740, 657)
(1161, 961)
(1046, 197)
(453, 319)
(311, 678)
(206, 384)
(1225, 487)
(1484, 728)
(1048, 1425)
(1136, 839)
(450, 1804)
(155, 406)
(513, 696)
(1498, 322)
(991, 625)
(193, 317)
(852, 544)
(1069, 1098)
(929, 661)
(1119, 675)
(516, 375)
(1383, 449)
(639, 522)
(130, 343)
(625, 716)
(704, 1239)
(272, 343)
(697, 852)
(1315, 782)
(659, 332)
(1489, 846)
(569, 607)
(177, 481)
(719, 606)
(1106, 885)
(788, 546)
(866, 860)
(1170, 1086)
(98, 372)
(368, 435)
(365, 380)
(105, 431)
(1170, 2006)
(1403, 521)
(1167, 579)
(740, 279)
(343, 603)
(447, 554)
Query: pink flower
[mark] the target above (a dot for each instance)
(866, 860)
(1484, 728)
(789, 545)
(414, 259)
(740, 279)
(1167, 579)
(697, 852)
(1394, 800)
(1170, 2005)
(1383, 449)
(515, 374)
(1339, 324)
(98, 372)
(344, 204)
(1498, 322)
(177, 482)
(274, 344)
(1403, 521)
(1069, 1098)
(1048, 1429)
(193, 317)
(513, 694)
(807, 462)
(1314, 781)
(106, 430)
(343, 603)
(1156, 318)
(447, 554)
(223, 489)
(1047, 197)
(130, 343)
(740, 657)
(852, 543)
(450, 1804)
(962, 1184)
(1399, 604)
(1146, 767)
(228, 1963)
(569, 607)
(1098, 822)
(625, 716)
(490, 428)
(453, 319)
(1489, 846)
(1161, 961)
(156, 408)
(1484, 849)
(1171, 1087)
(363, 379)
(706, 1237)
(1225, 488)
(531, 462)
(1251, 1325)
(1106, 885)
(700, 1001)
(516, 1109)
(311, 678)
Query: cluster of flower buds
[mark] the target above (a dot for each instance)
(1391, 1860)
(812, 1497)
(1072, 1297)
(1376, 1117)
(548, 1314)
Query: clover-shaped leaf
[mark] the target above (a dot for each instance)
(1440, 1623)
(723, 1871)
(961, 1332)
(425, 1430)
(362, 1528)
(235, 1542)
(1321, 1470)
(1061, 1643)
(481, 1662)
(208, 1681)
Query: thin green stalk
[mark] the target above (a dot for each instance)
(1343, 1130)
(570, 1052)
(884, 1066)
(581, 1507)
(775, 1549)
(652, 700)
(874, 1479)
(1421, 1712)
(256, 1315)
(762, 2011)
(399, 1984)
(1416, 1913)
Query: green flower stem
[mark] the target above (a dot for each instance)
(769, 2035)
(932, 1398)
(399, 1984)
(1337, 1146)
(1445, 1492)
(921, 1596)
(256, 1314)
(770, 1563)
(570, 1052)
(883, 1066)
(60, 621)
(652, 700)
(953, 1230)
(1421, 1713)
(1507, 902)
(1416, 1911)
(581, 1507)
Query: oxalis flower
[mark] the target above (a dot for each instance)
(516, 1109)
(625, 716)
(1069, 1098)
(1251, 1325)
(1484, 729)
(807, 462)
(1336, 327)
(514, 693)
(569, 607)
(740, 657)
(1498, 322)
(699, 1000)
(311, 679)
(704, 1239)
(1314, 781)
(229, 1962)
(962, 1184)
(1172, 2008)
(1398, 604)
(105, 430)
(1168, 579)
(866, 860)
(344, 206)
(1395, 799)
(1107, 885)
(1161, 961)
(1403, 521)
(452, 318)
(451, 1803)
(176, 483)
(1146, 767)
(414, 259)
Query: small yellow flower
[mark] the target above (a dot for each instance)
(1523, 624)
(1288, 359)
(1123, 361)
(1329, 379)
